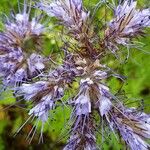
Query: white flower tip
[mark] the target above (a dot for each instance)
(39, 66)
(87, 80)
(22, 17)
(105, 105)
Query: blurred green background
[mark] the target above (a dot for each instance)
(136, 87)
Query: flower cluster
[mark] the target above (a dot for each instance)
(133, 126)
(128, 23)
(45, 100)
(24, 68)
(70, 12)
(20, 59)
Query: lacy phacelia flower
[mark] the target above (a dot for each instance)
(44, 95)
(70, 12)
(128, 23)
(19, 39)
(82, 131)
(133, 126)
(82, 134)
(83, 50)
(73, 16)
(16, 69)
(21, 32)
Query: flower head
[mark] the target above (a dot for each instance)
(15, 68)
(133, 126)
(44, 95)
(20, 37)
(22, 32)
(23, 67)
(128, 23)
(82, 129)
(82, 135)
(69, 11)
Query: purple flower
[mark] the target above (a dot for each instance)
(20, 30)
(44, 94)
(82, 134)
(128, 23)
(133, 126)
(17, 69)
(21, 36)
(82, 130)
(104, 101)
(70, 12)
(82, 101)
(43, 86)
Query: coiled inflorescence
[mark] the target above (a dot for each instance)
(20, 43)
(24, 68)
